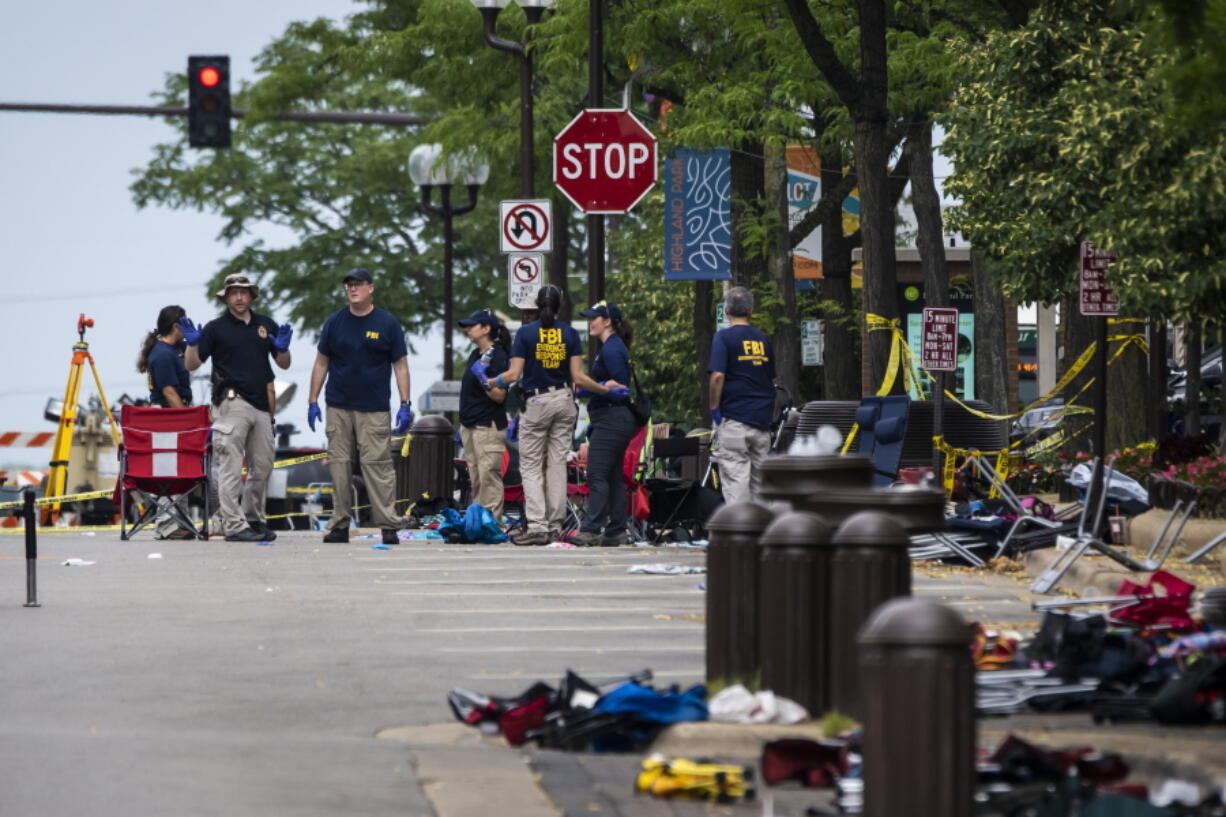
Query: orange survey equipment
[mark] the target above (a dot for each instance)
(57, 478)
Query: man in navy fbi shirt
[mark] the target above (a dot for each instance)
(742, 398)
(360, 347)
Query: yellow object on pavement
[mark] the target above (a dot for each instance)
(681, 778)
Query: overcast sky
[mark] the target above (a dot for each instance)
(71, 240)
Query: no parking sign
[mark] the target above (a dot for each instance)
(525, 274)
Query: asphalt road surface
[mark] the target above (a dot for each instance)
(237, 679)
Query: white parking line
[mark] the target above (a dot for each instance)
(697, 672)
(612, 577)
(678, 625)
(485, 650)
(552, 594)
(547, 610)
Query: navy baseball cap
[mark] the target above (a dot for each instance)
(485, 317)
(358, 274)
(604, 309)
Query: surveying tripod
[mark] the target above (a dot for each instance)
(62, 447)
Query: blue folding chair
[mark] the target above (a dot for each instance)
(883, 428)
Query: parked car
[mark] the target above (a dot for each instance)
(1039, 422)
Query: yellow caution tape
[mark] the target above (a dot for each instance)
(53, 500)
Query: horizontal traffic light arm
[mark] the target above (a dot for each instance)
(343, 117)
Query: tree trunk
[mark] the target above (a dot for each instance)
(747, 181)
(1127, 387)
(1157, 378)
(841, 353)
(1191, 423)
(704, 329)
(872, 147)
(1077, 335)
(991, 371)
(930, 241)
(786, 335)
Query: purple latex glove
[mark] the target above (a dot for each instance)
(716, 417)
(619, 393)
(404, 419)
(284, 335)
(191, 332)
(314, 415)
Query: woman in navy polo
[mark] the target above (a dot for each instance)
(547, 362)
(613, 426)
(483, 419)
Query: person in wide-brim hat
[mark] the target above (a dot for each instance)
(238, 280)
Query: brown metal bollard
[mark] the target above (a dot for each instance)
(794, 593)
(869, 567)
(919, 711)
(732, 594)
(429, 471)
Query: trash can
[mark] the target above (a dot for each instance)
(426, 477)
(870, 565)
(794, 593)
(732, 594)
(919, 711)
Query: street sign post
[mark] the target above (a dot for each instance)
(605, 160)
(811, 343)
(939, 339)
(525, 274)
(526, 225)
(1094, 293)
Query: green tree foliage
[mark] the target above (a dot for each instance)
(1062, 132)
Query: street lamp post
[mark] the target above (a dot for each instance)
(533, 10)
(429, 170)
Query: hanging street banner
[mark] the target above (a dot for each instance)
(526, 226)
(804, 193)
(1094, 293)
(525, 275)
(698, 216)
(939, 339)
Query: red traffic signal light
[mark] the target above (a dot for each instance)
(209, 76)
(208, 102)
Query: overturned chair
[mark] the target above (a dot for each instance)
(163, 460)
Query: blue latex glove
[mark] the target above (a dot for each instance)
(479, 370)
(619, 393)
(513, 430)
(191, 333)
(404, 419)
(716, 417)
(284, 334)
(314, 415)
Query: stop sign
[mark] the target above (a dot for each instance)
(604, 160)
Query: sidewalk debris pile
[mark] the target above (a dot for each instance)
(736, 704)
(1015, 778)
(618, 715)
(1149, 656)
(683, 779)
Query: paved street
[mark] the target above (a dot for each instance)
(236, 679)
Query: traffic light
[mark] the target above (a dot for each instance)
(208, 102)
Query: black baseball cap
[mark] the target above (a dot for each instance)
(358, 274)
(604, 309)
(485, 317)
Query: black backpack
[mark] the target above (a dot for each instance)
(1197, 696)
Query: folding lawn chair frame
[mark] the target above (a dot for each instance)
(164, 455)
(1087, 540)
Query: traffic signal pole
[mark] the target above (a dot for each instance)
(343, 117)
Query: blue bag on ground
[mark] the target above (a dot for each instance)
(452, 526)
(481, 526)
(653, 706)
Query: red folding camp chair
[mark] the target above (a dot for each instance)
(165, 455)
(635, 465)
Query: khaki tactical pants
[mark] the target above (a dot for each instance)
(740, 450)
(546, 430)
(241, 431)
(483, 447)
(370, 434)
